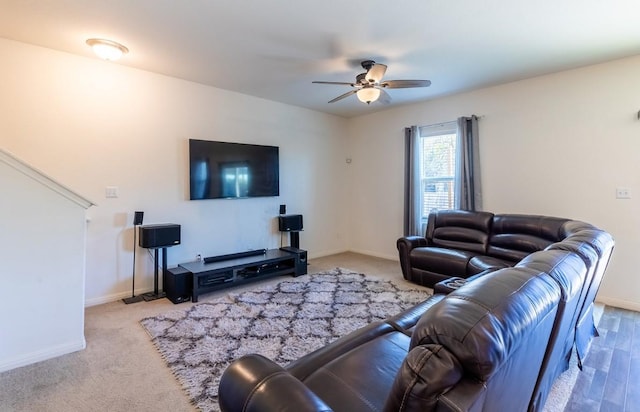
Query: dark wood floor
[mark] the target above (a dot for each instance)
(610, 379)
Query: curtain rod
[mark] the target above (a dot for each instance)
(478, 116)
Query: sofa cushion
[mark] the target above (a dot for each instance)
(451, 262)
(426, 277)
(481, 263)
(566, 268)
(459, 229)
(460, 238)
(515, 236)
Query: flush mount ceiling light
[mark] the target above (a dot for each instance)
(107, 49)
(368, 94)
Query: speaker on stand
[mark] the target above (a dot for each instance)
(158, 237)
(293, 225)
(137, 220)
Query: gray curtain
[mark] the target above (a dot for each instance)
(412, 218)
(467, 184)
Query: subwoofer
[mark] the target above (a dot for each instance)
(178, 284)
(300, 261)
(157, 236)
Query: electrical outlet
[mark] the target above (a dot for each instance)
(623, 193)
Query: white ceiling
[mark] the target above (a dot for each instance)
(274, 49)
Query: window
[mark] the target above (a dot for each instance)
(437, 151)
(442, 170)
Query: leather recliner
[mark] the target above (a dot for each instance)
(452, 353)
(461, 243)
(509, 327)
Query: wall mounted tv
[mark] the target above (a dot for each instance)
(222, 170)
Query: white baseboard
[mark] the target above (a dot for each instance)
(618, 303)
(375, 254)
(42, 355)
(112, 298)
(359, 251)
(324, 253)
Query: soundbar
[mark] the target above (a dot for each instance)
(212, 259)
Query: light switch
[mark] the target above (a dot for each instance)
(111, 192)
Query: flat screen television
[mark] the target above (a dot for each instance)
(223, 170)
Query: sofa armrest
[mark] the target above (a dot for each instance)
(426, 373)
(407, 319)
(405, 245)
(311, 362)
(468, 395)
(254, 383)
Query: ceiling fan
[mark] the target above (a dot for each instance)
(369, 86)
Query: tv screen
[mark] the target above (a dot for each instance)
(222, 170)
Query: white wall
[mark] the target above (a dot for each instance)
(92, 124)
(557, 145)
(42, 245)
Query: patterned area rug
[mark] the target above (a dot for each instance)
(282, 322)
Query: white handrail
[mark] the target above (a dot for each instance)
(39, 176)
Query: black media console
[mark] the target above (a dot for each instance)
(219, 272)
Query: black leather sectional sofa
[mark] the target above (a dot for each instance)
(496, 343)
(462, 244)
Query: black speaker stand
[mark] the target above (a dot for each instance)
(133, 298)
(156, 294)
(294, 239)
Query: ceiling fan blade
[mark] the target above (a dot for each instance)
(384, 97)
(376, 72)
(342, 96)
(341, 83)
(404, 84)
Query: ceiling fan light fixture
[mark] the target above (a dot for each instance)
(369, 86)
(368, 94)
(107, 49)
